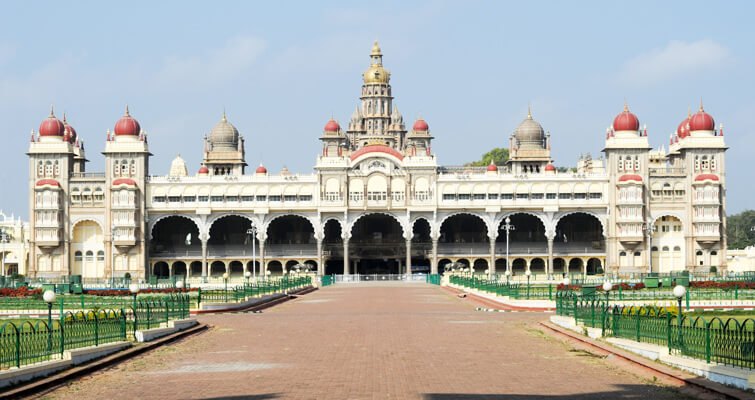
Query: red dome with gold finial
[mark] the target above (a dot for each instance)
(127, 126)
(332, 126)
(71, 131)
(51, 126)
(492, 167)
(261, 169)
(203, 170)
(626, 121)
(420, 125)
(550, 168)
(701, 121)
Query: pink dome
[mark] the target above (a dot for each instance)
(261, 169)
(203, 170)
(420, 125)
(127, 126)
(51, 126)
(550, 168)
(626, 121)
(705, 177)
(701, 121)
(630, 177)
(48, 182)
(332, 126)
(492, 167)
(124, 181)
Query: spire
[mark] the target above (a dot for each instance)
(224, 120)
(701, 105)
(626, 105)
(52, 114)
(376, 49)
(127, 113)
(689, 112)
(64, 117)
(529, 112)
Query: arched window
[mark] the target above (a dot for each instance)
(653, 248)
(133, 167)
(621, 163)
(77, 256)
(704, 164)
(713, 253)
(48, 169)
(90, 256)
(623, 254)
(677, 248)
(698, 253)
(665, 248)
(124, 168)
(100, 255)
(637, 254)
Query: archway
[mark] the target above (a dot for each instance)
(196, 268)
(236, 268)
(594, 266)
(175, 235)
(229, 238)
(312, 265)
(377, 245)
(290, 265)
(559, 266)
(332, 246)
(518, 266)
(290, 230)
(480, 265)
(87, 238)
(253, 267)
(161, 270)
(500, 265)
(537, 266)
(442, 265)
(275, 267)
(217, 268)
(464, 262)
(421, 246)
(462, 231)
(179, 268)
(527, 236)
(579, 233)
(575, 265)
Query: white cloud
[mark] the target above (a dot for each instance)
(675, 60)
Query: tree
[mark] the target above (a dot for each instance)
(499, 155)
(739, 229)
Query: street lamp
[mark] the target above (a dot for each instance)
(253, 232)
(567, 282)
(225, 279)
(4, 238)
(112, 256)
(507, 273)
(49, 297)
(679, 292)
(508, 228)
(648, 228)
(247, 274)
(528, 273)
(179, 285)
(134, 289)
(607, 286)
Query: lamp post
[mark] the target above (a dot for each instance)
(648, 228)
(253, 232)
(508, 228)
(225, 279)
(49, 297)
(528, 273)
(507, 273)
(112, 256)
(607, 286)
(247, 274)
(134, 289)
(567, 282)
(679, 292)
(4, 238)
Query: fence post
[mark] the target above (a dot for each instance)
(736, 292)
(82, 299)
(199, 298)
(687, 298)
(123, 323)
(638, 325)
(707, 342)
(18, 347)
(167, 312)
(550, 291)
(62, 336)
(61, 305)
(96, 330)
(148, 319)
(668, 329)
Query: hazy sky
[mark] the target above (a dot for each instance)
(281, 68)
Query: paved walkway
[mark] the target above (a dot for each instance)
(391, 341)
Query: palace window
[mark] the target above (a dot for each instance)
(216, 199)
(274, 198)
(174, 199)
(449, 196)
(289, 197)
(479, 196)
(596, 196)
(77, 256)
(190, 199)
(306, 197)
(100, 255)
(580, 196)
(507, 196)
(261, 198)
(550, 196)
(522, 196)
(464, 196)
(158, 199)
(234, 199)
(564, 196)
(492, 196)
(90, 255)
(204, 199)
(40, 169)
(536, 196)
(247, 199)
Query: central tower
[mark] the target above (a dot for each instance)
(376, 121)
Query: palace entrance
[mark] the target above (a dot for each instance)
(377, 246)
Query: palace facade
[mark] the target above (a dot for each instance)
(378, 202)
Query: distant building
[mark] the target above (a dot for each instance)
(741, 260)
(14, 245)
(379, 202)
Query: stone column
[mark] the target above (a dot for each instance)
(204, 258)
(263, 265)
(320, 267)
(408, 256)
(346, 265)
(434, 261)
(550, 257)
(491, 267)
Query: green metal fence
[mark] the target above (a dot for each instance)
(328, 280)
(433, 279)
(726, 341)
(28, 342)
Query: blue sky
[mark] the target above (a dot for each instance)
(281, 68)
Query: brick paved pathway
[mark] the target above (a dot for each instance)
(390, 341)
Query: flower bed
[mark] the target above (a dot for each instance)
(722, 285)
(22, 291)
(124, 292)
(624, 286)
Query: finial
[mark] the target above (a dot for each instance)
(626, 105)
(420, 116)
(51, 112)
(331, 116)
(64, 117)
(127, 113)
(701, 104)
(689, 112)
(529, 113)
(224, 120)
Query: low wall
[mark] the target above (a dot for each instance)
(148, 335)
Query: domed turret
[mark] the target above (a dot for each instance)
(51, 126)
(332, 126)
(224, 136)
(683, 130)
(71, 132)
(203, 170)
(492, 167)
(178, 167)
(396, 118)
(261, 169)
(530, 134)
(420, 125)
(701, 121)
(127, 126)
(376, 73)
(626, 121)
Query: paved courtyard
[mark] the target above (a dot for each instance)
(383, 341)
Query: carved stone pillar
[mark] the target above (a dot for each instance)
(408, 257)
(434, 266)
(204, 258)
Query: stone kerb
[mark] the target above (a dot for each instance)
(148, 335)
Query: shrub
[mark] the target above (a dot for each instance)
(713, 269)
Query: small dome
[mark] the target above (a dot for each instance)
(127, 126)
(701, 121)
(420, 125)
(261, 169)
(285, 171)
(529, 133)
(492, 167)
(224, 136)
(203, 170)
(69, 129)
(178, 167)
(683, 130)
(51, 126)
(332, 126)
(550, 168)
(626, 121)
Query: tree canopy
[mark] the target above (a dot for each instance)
(499, 155)
(738, 229)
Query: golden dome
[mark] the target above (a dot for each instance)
(376, 73)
